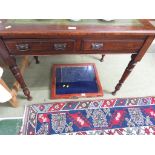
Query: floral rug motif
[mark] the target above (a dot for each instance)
(142, 130)
(123, 116)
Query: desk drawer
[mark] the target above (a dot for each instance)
(34, 45)
(112, 45)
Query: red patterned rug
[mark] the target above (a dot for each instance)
(122, 116)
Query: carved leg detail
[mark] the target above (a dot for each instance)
(16, 72)
(103, 55)
(11, 62)
(13, 57)
(126, 73)
(37, 60)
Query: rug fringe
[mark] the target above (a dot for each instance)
(22, 131)
(8, 118)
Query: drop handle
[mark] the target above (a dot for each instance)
(22, 47)
(60, 46)
(97, 46)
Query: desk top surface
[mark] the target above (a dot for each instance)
(70, 22)
(49, 26)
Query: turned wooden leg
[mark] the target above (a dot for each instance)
(36, 59)
(13, 57)
(11, 62)
(103, 55)
(126, 73)
(16, 72)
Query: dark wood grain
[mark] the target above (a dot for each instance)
(125, 45)
(128, 70)
(102, 58)
(134, 59)
(41, 39)
(39, 45)
(34, 30)
(37, 59)
(10, 61)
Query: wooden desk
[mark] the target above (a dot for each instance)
(48, 37)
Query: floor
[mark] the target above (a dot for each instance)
(140, 83)
(13, 126)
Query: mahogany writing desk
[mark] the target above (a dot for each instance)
(48, 37)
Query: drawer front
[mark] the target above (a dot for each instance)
(112, 45)
(34, 45)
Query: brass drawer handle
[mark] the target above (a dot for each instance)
(22, 47)
(60, 46)
(97, 46)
